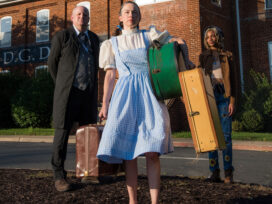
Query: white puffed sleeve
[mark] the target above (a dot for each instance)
(162, 37)
(106, 56)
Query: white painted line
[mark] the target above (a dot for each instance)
(181, 158)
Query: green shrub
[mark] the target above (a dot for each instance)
(252, 121)
(9, 84)
(237, 126)
(32, 105)
(257, 100)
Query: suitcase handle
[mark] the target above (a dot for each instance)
(155, 71)
(192, 114)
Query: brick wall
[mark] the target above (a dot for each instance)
(182, 18)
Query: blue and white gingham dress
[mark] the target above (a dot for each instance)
(137, 123)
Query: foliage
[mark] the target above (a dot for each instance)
(252, 121)
(9, 84)
(255, 113)
(237, 125)
(32, 105)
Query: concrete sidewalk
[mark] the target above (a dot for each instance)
(178, 142)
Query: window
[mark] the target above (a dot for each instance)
(268, 4)
(40, 70)
(5, 31)
(217, 2)
(42, 26)
(4, 72)
(88, 6)
(270, 57)
(144, 2)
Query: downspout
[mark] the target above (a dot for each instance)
(108, 18)
(65, 14)
(239, 45)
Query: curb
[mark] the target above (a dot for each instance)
(32, 138)
(178, 142)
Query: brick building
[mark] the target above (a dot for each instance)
(27, 26)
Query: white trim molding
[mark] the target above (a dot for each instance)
(270, 58)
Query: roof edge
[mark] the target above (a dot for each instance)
(6, 3)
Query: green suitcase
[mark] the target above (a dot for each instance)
(164, 65)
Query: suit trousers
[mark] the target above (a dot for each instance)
(78, 110)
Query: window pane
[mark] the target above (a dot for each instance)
(143, 2)
(270, 53)
(268, 3)
(5, 24)
(161, 0)
(85, 4)
(4, 72)
(42, 31)
(6, 39)
(217, 2)
(43, 18)
(41, 70)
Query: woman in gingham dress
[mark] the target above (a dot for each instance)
(137, 124)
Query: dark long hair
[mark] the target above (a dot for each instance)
(118, 31)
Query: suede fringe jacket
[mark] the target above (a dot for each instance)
(229, 71)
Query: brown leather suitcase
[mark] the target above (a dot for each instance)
(201, 111)
(88, 166)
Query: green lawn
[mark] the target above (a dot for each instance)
(49, 131)
(27, 131)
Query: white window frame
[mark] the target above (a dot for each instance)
(145, 2)
(217, 3)
(44, 26)
(265, 5)
(86, 4)
(41, 67)
(270, 58)
(4, 72)
(2, 34)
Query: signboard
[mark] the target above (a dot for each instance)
(24, 54)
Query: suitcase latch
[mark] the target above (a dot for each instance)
(155, 71)
(192, 114)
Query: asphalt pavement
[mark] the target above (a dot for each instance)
(250, 166)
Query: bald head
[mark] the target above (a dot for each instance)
(80, 18)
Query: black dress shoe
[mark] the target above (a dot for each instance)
(62, 185)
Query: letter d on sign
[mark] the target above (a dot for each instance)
(44, 52)
(8, 57)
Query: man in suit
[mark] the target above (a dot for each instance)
(73, 65)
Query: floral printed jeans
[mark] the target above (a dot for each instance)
(222, 105)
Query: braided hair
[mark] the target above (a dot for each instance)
(119, 28)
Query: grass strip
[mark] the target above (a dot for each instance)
(250, 136)
(27, 131)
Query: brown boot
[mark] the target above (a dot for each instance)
(215, 176)
(228, 176)
(62, 185)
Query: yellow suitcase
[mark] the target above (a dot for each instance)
(201, 111)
